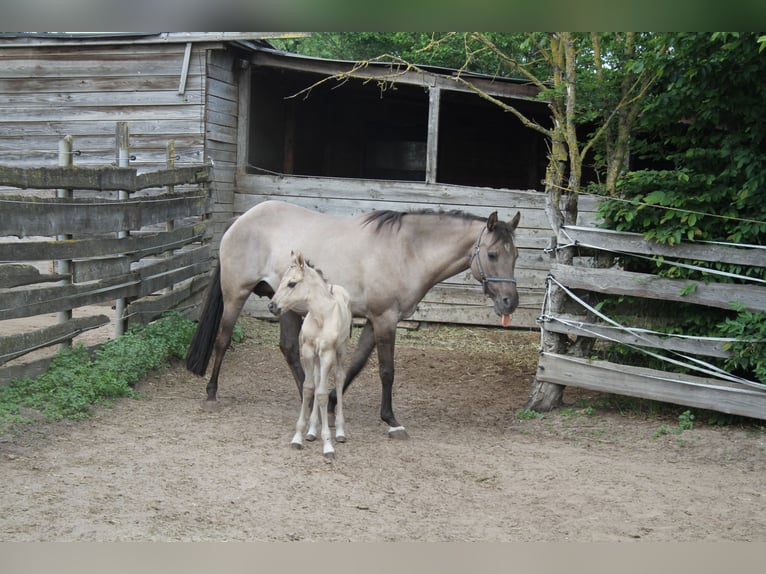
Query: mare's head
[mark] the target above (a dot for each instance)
(493, 263)
(299, 284)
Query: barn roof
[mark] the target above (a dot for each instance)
(252, 40)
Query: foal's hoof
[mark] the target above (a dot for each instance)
(329, 456)
(311, 437)
(296, 445)
(398, 433)
(340, 438)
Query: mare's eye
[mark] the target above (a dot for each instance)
(492, 255)
(291, 284)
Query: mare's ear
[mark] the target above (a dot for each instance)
(513, 223)
(492, 221)
(301, 261)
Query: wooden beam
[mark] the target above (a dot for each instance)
(580, 327)
(620, 282)
(620, 241)
(99, 178)
(14, 346)
(432, 145)
(137, 246)
(662, 386)
(30, 216)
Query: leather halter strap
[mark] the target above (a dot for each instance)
(483, 276)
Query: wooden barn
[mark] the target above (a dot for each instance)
(272, 125)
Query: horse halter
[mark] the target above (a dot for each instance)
(483, 276)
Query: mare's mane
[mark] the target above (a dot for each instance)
(390, 218)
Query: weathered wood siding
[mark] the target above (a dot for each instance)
(221, 125)
(459, 299)
(47, 93)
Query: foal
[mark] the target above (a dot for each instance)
(323, 340)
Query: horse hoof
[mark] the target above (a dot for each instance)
(311, 437)
(398, 433)
(211, 406)
(328, 456)
(340, 438)
(296, 445)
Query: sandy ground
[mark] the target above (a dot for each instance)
(161, 468)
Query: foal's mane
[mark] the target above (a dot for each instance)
(317, 269)
(390, 218)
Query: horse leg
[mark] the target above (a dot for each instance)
(385, 339)
(340, 421)
(358, 361)
(313, 378)
(289, 329)
(308, 394)
(223, 339)
(322, 395)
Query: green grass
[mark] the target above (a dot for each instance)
(75, 382)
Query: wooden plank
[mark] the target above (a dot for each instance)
(15, 304)
(253, 189)
(619, 282)
(72, 97)
(674, 388)
(42, 300)
(639, 337)
(620, 241)
(136, 245)
(169, 129)
(104, 113)
(99, 84)
(104, 178)
(14, 346)
(175, 176)
(18, 275)
(25, 216)
(85, 270)
(151, 307)
(100, 179)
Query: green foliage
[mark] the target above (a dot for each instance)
(702, 143)
(528, 415)
(748, 352)
(456, 50)
(74, 381)
(704, 136)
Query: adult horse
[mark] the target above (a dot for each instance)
(387, 260)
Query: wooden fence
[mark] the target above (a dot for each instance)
(81, 246)
(715, 390)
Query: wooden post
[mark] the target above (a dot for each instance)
(64, 266)
(123, 160)
(170, 163)
(432, 145)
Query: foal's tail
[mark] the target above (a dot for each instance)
(201, 347)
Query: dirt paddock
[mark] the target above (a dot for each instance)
(161, 468)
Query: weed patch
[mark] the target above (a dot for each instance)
(74, 381)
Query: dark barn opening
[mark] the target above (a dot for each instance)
(369, 130)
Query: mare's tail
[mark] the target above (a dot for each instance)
(201, 347)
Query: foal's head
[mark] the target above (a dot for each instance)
(300, 283)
